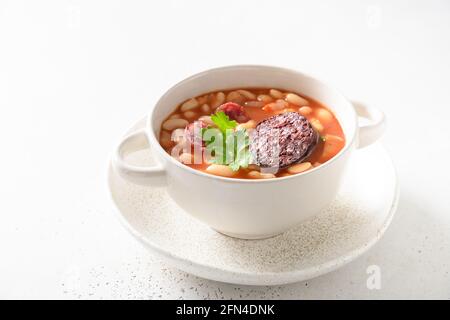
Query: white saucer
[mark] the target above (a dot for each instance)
(352, 224)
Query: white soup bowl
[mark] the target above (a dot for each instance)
(245, 208)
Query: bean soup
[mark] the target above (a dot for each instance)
(256, 133)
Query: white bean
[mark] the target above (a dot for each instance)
(278, 105)
(265, 98)
(235, 96)
(251, 124)
(185, 158)
(218, 100)
(190, 114)
(175, 116)
(324, 115)
(300, 167)
(305, 111)
(272, 107)
(207, 120)
(247, 94)
(189, 105)
(276, 94)
(282, 103)
(259, 175)
(317, 125)
(296, 99)
(221, 170)
(172, 124)
(178, 135)
(254, 104)
(205, 108)
(203, 99)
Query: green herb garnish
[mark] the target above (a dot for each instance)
(242, 155)
(223, 122)
(227, 146)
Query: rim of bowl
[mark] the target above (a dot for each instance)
(151, 135)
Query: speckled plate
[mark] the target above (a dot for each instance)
(350, 226)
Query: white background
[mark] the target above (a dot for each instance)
(74, 75)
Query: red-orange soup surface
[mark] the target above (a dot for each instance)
(257, 105)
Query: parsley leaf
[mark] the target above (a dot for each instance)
(223, 122)
(226, 145)
(242, 153)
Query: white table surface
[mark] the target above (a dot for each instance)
(75, 74)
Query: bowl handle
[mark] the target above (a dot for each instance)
(372, 131)
(149, 175)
